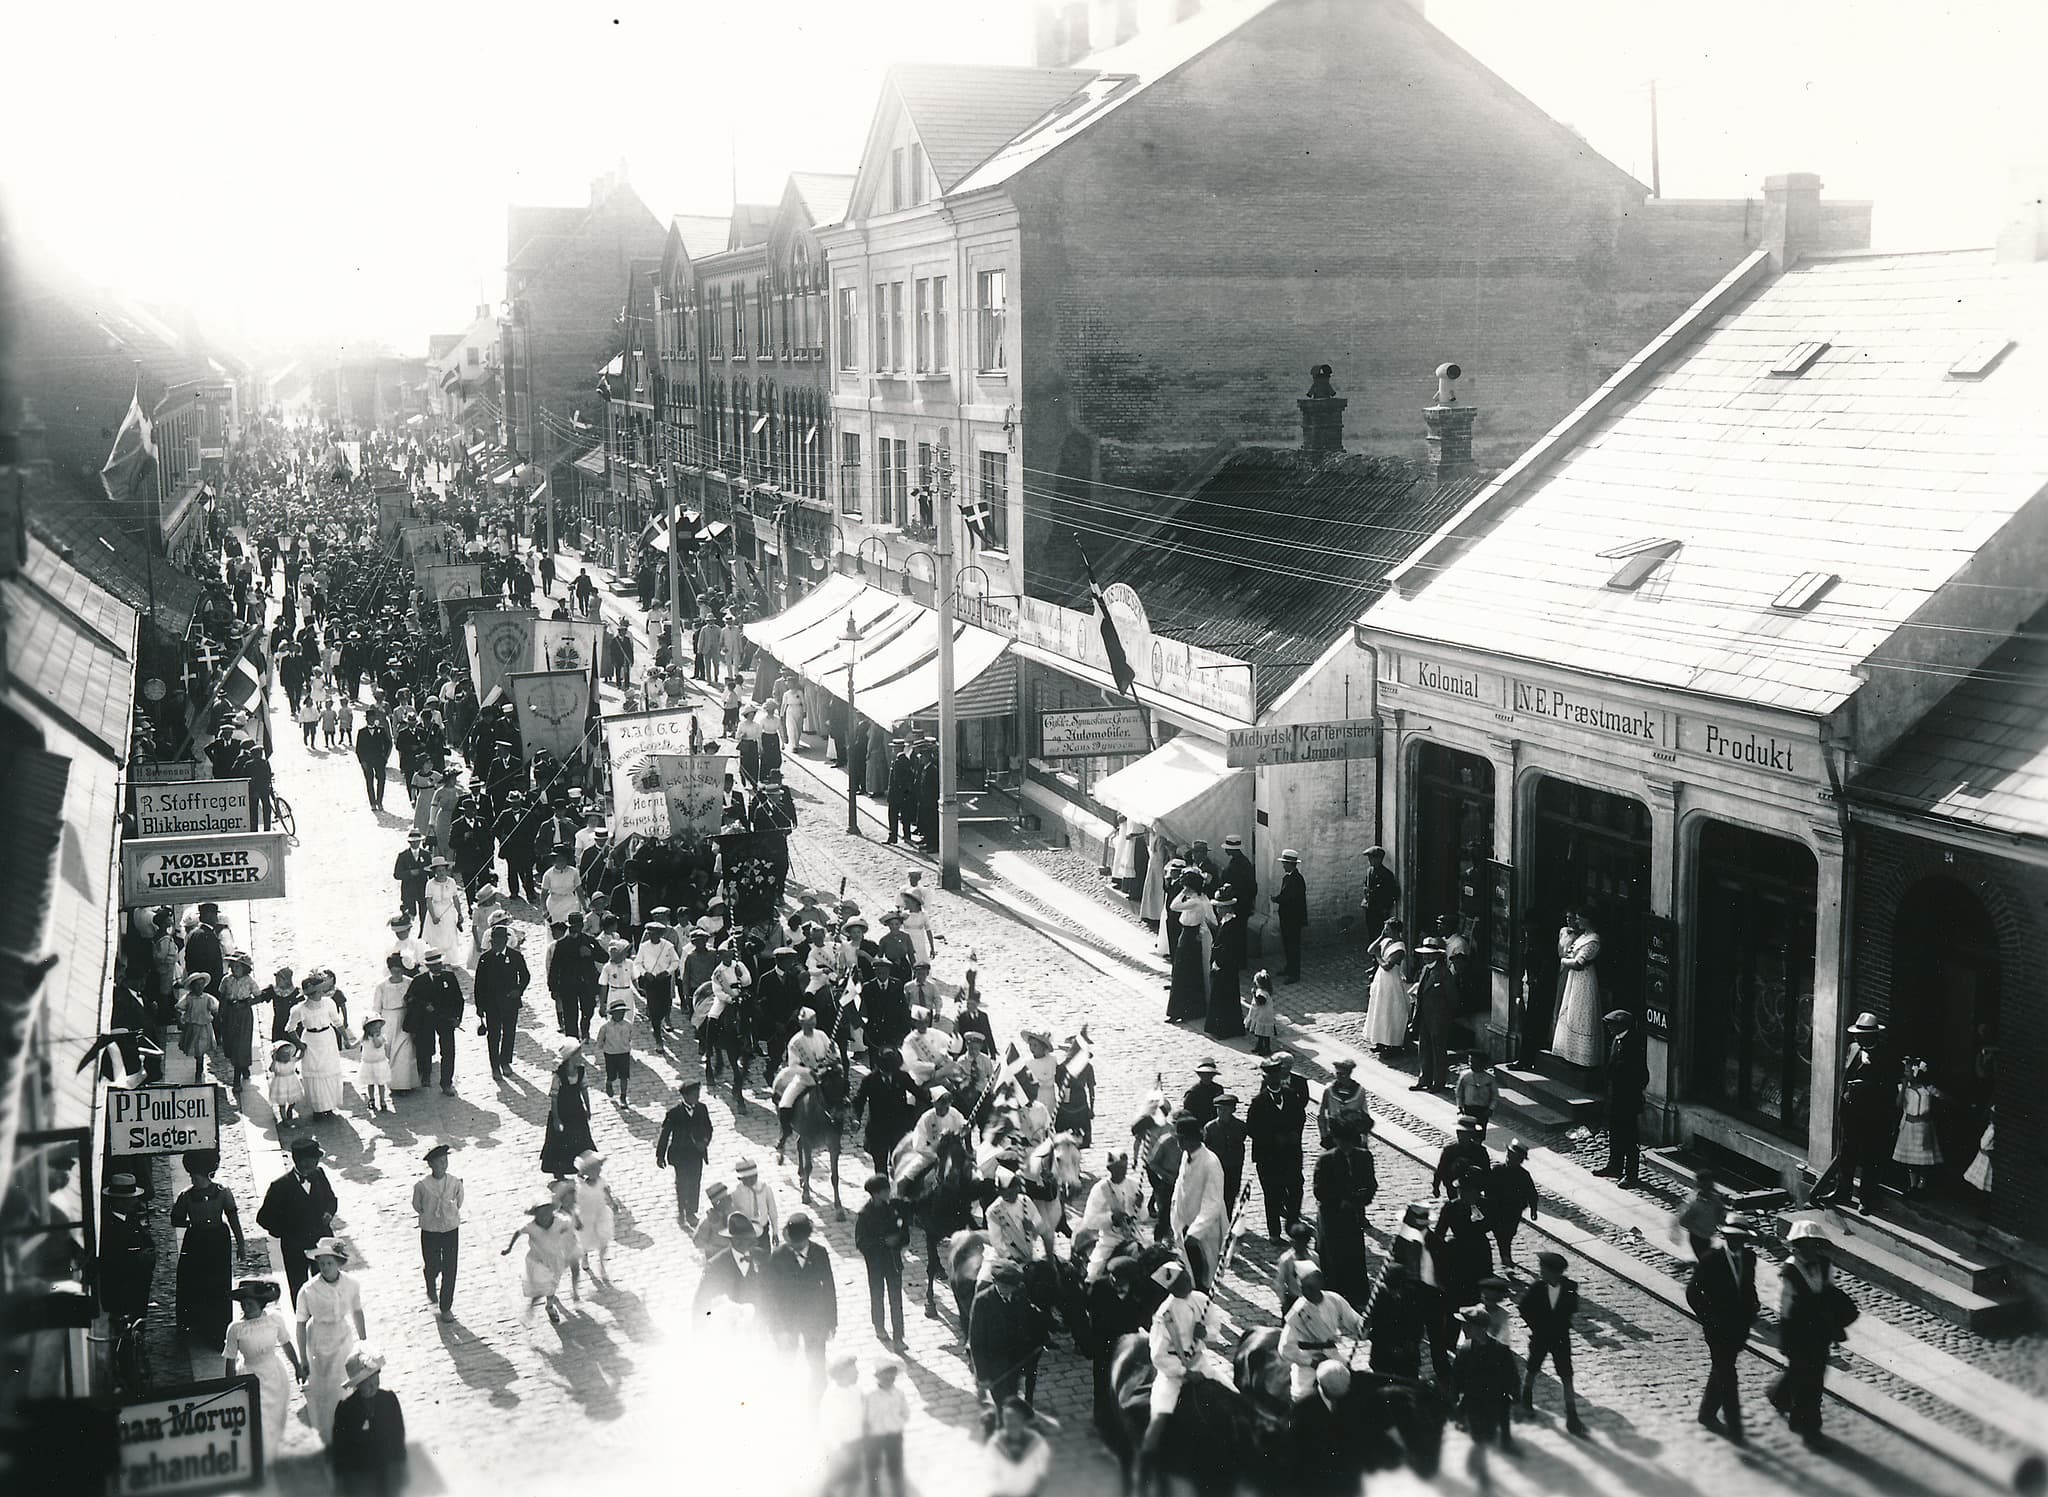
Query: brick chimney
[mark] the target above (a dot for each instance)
(2024, 236)
(1791, 217)
(1322, 416)
(1450, 429)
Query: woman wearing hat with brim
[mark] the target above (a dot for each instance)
(550, 1235)
(320, 1027)
(446, 909)
(209, 1228)
(196, 1008)
(235, 1023)
(568, 1126)
(259, 1343)
(1813, 1314)
(331, 1322)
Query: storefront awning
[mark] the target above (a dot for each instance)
(828, 598)
(1184, 790)
(592, 462)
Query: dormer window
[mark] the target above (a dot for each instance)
(1798, 360)
(1639, 559)
(1980, 360)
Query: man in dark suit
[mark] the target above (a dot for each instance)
(902, 790)
(298, 1210)
(1290, 905)
(203, 949)
(1722, 1293)
(1436, 1009)
(734, 1272)
(1382, 894)
(501, 981)
(1627, 1079)
(1322, 1442)
(1548, 1309)
(412, 868)
(683, 1145)
(437, 993)
(803, 1303)
(1274, 1124)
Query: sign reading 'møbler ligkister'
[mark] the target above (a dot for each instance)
(186, 870)
(199, 1437)
(162, 1119)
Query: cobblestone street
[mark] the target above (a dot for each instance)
(626, 1380)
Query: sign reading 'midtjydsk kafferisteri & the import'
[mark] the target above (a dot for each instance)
(186, 870)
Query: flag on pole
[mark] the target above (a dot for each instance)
(1119, 666)
(131, 463)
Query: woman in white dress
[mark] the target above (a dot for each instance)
(317, 1024)
(389, 1005)
(1388, 1010)
(262, 1341)
(1578, 1036)
(447, 912)
(331, 1322)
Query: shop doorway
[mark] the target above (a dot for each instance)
(1947, 979)
(1590, 850)
(1752, 991)
(1453, 843)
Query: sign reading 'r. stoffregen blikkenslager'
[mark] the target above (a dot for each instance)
(186, 870)
(195, 806)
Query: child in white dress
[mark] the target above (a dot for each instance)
(1917, 1148)
(373, 1071)
(287, 1086)
(596, 1215)
(550, 1247)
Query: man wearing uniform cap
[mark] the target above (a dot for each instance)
(1721, 1292)
(437, 1202)
(1382, 892)
(1628, 1078)
(1290, 908)
(1274, 1123)
(1225, 1138)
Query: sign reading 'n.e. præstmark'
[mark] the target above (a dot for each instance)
(186, 870)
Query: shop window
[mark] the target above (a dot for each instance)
(1586, 850)
(1947, 979)
(1752, 962)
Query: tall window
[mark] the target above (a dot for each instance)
(924, 326)
(916, 167)
(880, 356)
(897, 509)
(714, 325)
(849, 328)
(763, 326)
(991, 294)
(898, 197)
(849, 473)
(895, 324)
(738, 304)
(995, 493)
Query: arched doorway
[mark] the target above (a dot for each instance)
(1589, 850)
(1947, 977)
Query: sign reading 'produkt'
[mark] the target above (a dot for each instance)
(176, 810)
(186, 870)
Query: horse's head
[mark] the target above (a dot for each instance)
(1065, 1150)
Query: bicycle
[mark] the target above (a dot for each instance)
(127, 1363)
(281, 815)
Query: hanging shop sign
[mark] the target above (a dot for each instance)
(1092, 733)
(553, 707)
(1302, 743)
(187, 870)
(192, 807)
(1660, 943)
(1166, 670)
(162, 1119)
(694, 785)
(146, 772)
(197, 1437)
(631, 741)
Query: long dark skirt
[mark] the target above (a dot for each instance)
(1190, 994)
(568, 1132)
(1226, 1005)
(206, 1272)
(750, 760)
(238, 1034)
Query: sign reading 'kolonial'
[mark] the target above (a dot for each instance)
(1302, 743)
(1092, 733)
(199, 1437)
(175, 810)
(187, 870)
(162, 1119)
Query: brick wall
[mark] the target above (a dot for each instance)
(1335, 182)
(1886, 866)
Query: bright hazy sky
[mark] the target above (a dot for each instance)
(332, 172)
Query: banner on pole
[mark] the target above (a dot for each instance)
(694, 785)
(500, 642)
(631, 741)
(552, 707)
(461, 579)
(567, 645)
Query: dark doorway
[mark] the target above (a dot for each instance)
(1453, 843)
(1590, 850)
(1947, 978)
(1752, 991)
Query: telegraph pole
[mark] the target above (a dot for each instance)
(949, 769)
(852, 717)
(675, 574)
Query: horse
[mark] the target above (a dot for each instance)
(1052, 1174)
(964, 1253)
(1003, 1351)
(818, 1116)
(1212, 1440)
(940, 1192)
(1394, 1420)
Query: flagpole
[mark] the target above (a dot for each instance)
(949, 768)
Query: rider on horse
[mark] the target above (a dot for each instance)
(810, 1054)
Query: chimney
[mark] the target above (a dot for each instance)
(1322, 417)
(1450, 429)
(1059, 32)
(2024, 235)
(1791, 217)
(1111, 22)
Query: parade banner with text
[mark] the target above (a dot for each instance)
(188, 870)
(552, 707)
(632, 740)
(500, 642)
(196, 806)
(695, 787)
(196, 1437)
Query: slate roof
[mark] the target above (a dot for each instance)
(1272, 558)
(533, 232)
(62, 659)
(824, 194)
(749, 225)
(1875, 464)
(702, 233)
(75, 524)
(965, 113)
(1981, 756)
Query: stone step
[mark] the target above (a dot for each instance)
(1685, 1161)
(1563, 1097)
(1962, 1266)
(1868, 1254)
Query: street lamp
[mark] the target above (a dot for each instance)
(852, 716)
(913, 556)
(860, 554)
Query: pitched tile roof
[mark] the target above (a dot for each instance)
(99, 609)
(964, 113)
(104, 544)
(1272, 558)
(1875, 464)
(824, 194)
(749, 225)
(702, 233)
(64, 662)
(1981, 756)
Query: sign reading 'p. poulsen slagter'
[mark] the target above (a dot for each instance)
(186, 870)
(162, 1119)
